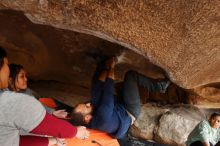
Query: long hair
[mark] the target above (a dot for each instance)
(14, 71)
(3, 54)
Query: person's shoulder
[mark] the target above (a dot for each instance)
(204, 122)
(15, 95)
(32, 93)
(204, 125)
(14, 98)
(10, 94)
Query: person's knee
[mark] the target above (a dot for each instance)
(134, 109)
(137, 114)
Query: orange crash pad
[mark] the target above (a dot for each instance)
(49, 102)
(97, 138)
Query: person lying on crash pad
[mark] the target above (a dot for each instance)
(103, 112)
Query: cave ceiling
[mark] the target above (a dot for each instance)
(64, 56)
(181, 37)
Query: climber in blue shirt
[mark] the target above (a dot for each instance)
(103, 112)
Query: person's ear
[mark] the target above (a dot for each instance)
(87, 118)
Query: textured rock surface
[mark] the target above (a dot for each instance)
(54, 54)
(182, 37)
(168, 124)
(175, 125)
(149, 118)
(60, 55)
(211, 93)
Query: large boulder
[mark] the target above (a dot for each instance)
(169, 125)
(144, 127)
(174, 126)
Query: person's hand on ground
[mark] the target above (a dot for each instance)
(61, 142)
(56, 141)
(60, 114)
(82, 133)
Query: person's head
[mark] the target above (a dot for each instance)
(215, 120)
(82, 114)
(17, 78)
(4, 69)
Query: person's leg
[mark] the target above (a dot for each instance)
(130, 91)
(33, 141)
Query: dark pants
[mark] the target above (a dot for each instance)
(199, 143)
(130, 89)
(130, 92)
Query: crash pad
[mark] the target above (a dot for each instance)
(49, 102)
(96, 138)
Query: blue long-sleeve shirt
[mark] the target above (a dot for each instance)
(108, 116)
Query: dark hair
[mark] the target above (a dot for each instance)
(214, 115)
(3, 54)
(14, 71)
(77, 118)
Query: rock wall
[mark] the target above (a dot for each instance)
(177, 39)
(50, 53)
(182, 37)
